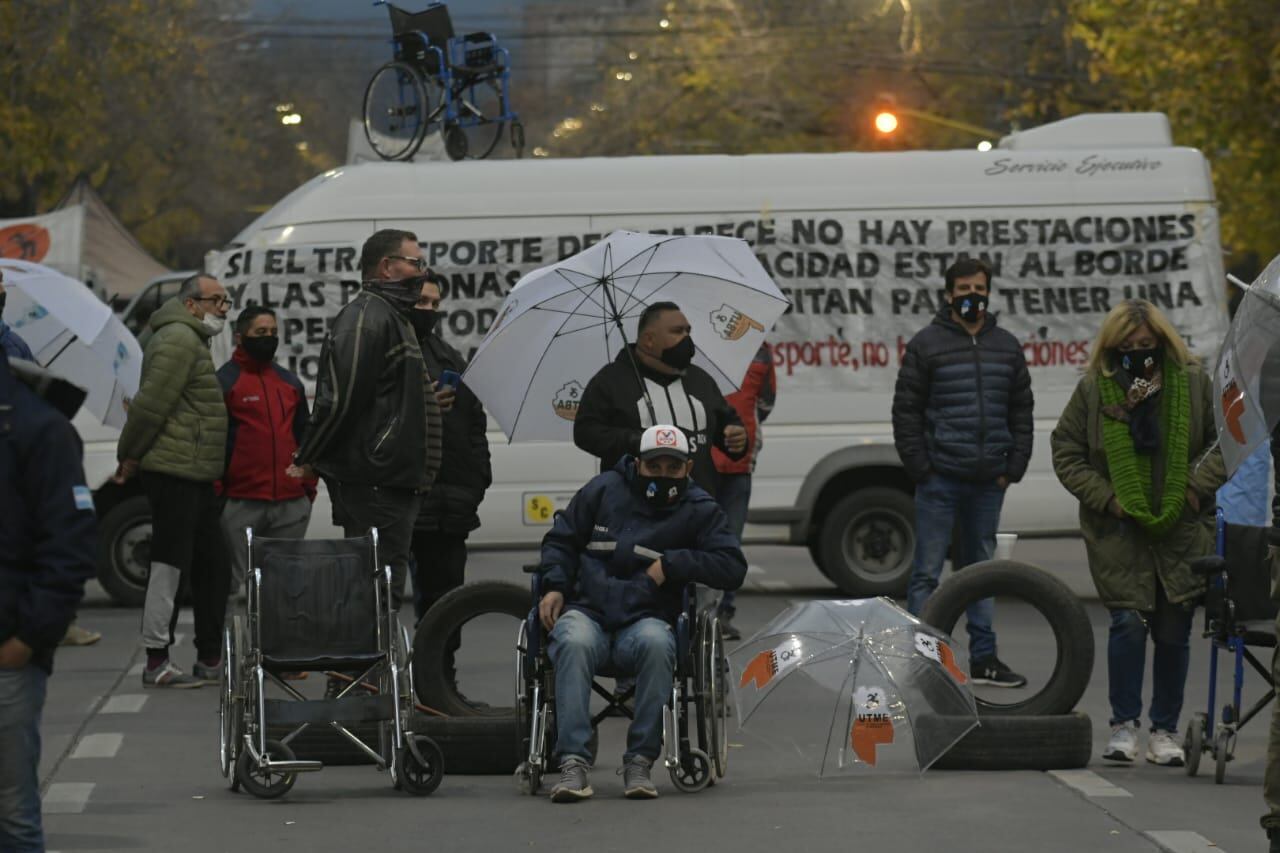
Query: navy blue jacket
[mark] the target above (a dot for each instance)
(601, 545)
(962, 404)
(47, 527)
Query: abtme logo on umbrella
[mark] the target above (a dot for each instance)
(731, 324)
(567, 399)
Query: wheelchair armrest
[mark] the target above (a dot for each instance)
(531, 568)
(1211, 565)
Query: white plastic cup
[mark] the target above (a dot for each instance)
(1004, 545)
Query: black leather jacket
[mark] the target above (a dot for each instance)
(375, 421)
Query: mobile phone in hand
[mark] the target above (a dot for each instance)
(450, 378)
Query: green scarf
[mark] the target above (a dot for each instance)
(1131, 472)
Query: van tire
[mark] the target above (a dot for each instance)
(1056, 603)
(1055, 742)
(124, 546)
(867, 540)
(454, 609)
(473, 746)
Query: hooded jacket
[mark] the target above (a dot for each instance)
(753, 402)
(453, 504)
(376, 421)
(613, 414)
(48, 532)
(177, 421)
(962, 406)
(600, 547)
(267, 417)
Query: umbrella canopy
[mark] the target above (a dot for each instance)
(562, 323)
(74, 335)
(870, 686)
(1246, 382)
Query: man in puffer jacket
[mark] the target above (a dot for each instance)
(614, 567)
(176, 435)
(963, 427)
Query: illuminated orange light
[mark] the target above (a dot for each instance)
(886, 122)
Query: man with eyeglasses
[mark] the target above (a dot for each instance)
(376, 429)
(176, 437)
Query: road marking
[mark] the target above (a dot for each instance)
(136, 669)
(103, 745)
(178, 637)
(1089, 783)
(126, 703)
(67, 797)
(774, 584)
(755, 570)
(186, 617)
(1182, 841)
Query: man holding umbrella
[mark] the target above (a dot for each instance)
(654, 381)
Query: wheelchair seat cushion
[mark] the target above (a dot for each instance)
(1249, 573)
(1258, 632)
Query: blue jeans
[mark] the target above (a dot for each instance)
(21, 701)
(944, 504)
(580, 648)
(1170, 630)
(733, 495)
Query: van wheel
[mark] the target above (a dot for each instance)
(867, 541)
(124, 551)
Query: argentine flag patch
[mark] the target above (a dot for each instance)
(83, 497)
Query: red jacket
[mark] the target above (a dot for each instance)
(266, 417)
(753, 403)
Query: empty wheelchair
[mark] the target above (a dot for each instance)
(318, 605)
(695, 728)
(1239, 615)
(439, 81)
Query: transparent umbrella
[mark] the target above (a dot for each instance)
(1246, 382)
(856, 685)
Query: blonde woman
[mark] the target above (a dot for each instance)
(1136, 446)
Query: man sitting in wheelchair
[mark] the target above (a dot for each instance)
(614, 567)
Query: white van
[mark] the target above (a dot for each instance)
(1073, 216)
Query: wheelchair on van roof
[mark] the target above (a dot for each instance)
(695, 719)
(439, 81)
(1239, 615)
(317, 605)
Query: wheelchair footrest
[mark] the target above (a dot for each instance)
(349, 709)
(296, 766)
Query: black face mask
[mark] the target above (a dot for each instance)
(261, 349)
(660, 492)
(1139, 363)
(402, 293)
(679, 356)
(970, 307)
(424, 322)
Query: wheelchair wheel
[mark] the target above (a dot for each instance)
(266, 784)
(1223, 744)
(1193, 742)
(517, 139)
(231, 701)
(718, 666)
(528, 779)
(693, 773)
(420, 766)
(397, 111)
(479, 118)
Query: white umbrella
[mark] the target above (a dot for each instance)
(1246, 383)
(73, 334)
(563, 322)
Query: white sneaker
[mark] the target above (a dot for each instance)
(1123, 745)
(1163, 749)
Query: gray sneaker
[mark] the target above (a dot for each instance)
(573, 784)
(168, 675)
(207, 674)
(636, 784)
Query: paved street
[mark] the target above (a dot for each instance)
(128, 769)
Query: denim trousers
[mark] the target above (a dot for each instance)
(21, 702)
(580, 648)
(733, 495)
(972, 510)
(1170, 630)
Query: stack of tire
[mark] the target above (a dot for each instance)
(1042, 731)
(475, 739)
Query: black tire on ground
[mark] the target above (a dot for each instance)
(1055, 601)
(450, 613)
(124, 551)
(1056, 742)
(472, 746)
(867, 540)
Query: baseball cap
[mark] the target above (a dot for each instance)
(664, 440)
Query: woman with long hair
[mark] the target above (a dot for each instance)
(1136, 446)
